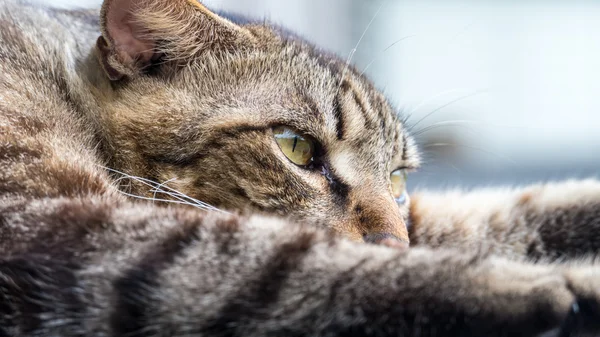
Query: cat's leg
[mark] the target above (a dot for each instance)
(94, 267)
(551, 221)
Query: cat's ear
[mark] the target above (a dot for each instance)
(138, 33)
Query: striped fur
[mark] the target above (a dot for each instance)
(81, 258)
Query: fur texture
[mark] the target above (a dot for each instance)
(163, 99)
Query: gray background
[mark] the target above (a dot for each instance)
(500, 92)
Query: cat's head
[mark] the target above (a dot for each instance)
(246, 116)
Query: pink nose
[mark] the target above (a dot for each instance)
(386, 240)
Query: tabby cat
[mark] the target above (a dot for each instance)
(103, 115)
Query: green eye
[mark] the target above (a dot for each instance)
(398, 182)
(297, 148)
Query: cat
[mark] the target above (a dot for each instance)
(111, 120)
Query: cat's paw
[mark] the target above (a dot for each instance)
(584, 316)
(529, 300)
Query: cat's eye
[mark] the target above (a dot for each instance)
(299, 149)
(398, 181)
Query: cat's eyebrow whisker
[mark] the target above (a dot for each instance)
(383, 52)
(446, 105)
(353, 51)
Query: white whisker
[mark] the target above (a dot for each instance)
(467, 123)
(446, 105)
(154, 199)
(177, 197)
(180, 196)
(431, 99)
(157, 188)
(175, 192)
(383, 52)
(471, 148)
(457, 122)
(353, 51)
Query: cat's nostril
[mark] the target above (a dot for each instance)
(386, 239)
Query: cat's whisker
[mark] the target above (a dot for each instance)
(471, 148)
(125, 176)
(453, 166)
(458, 123)
(158, 188)
(141, 180)
(118, 181)
(353, 51)
(431, 99)
(405, 117)
(383, 52)
(154, 199)
(174, 192)
(466, 123)
(431, 161)
(445, 106)
(180, 196)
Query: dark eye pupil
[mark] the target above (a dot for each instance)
(295, 143)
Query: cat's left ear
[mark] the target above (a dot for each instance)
(138, 33)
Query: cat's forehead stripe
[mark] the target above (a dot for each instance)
(351, 125)
(339, 118)
(374, 117)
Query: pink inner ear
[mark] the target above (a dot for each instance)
(126, 34)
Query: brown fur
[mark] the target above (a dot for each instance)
(167, 91)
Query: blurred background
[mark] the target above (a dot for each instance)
(498, 92)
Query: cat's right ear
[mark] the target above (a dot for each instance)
(139, 33)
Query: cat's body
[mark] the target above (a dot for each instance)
(185, 103)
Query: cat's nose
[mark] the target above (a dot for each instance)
(379, 220)
(386, 239)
